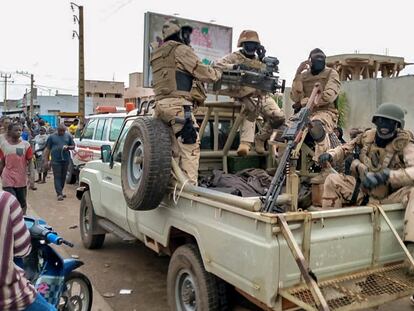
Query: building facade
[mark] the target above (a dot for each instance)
(105, 93)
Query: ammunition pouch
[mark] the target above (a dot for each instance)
(188, 133)
(184, 81)
(317, 131)
(198, 93)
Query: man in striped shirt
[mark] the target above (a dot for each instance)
(16, 292)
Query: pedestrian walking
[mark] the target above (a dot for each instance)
(58, 146)
(39, 147)
(15, 156)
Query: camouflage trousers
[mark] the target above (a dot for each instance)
(329, 122)
(186, 155)
(338, 190)
(273, 117)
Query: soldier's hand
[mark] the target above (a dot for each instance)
(325, 158)
(373, 180)
(241, 67)
(297, 107)
(303, 65)
(261, 52)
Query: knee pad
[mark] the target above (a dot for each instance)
(276, 122)
(317, 131)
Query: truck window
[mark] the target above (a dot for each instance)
(100, 129)
(115, 128)
(120, 145)
(90, 128)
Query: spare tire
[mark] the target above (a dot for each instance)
(146, 163)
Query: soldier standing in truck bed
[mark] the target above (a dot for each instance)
(176, 71)
(256, 102)
(324, 117)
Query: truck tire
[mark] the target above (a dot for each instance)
(146, 163)
(86, 218)
(71, 175)
(190, 286)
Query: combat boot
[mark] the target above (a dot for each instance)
(259, 145)
(243, 149)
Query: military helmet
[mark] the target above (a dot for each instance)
(390, 111)
(170, 27)
(248, 36)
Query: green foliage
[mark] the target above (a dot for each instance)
(342, 109)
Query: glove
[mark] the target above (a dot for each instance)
(296, 107)
(241, 67)
(261, 52)
(373, 180)
(324, 158)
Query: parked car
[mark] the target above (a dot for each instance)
(100, 129)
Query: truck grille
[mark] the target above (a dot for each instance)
(357, 291)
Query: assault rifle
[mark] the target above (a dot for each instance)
(260, 79)
(292, 135)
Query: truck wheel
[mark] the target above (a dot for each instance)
(86, 218)
(190, 286)
(71, 176)
(146, 163)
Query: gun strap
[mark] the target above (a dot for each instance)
(356, 191)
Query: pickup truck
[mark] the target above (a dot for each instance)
(341, 259)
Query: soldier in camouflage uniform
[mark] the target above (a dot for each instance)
(385, 166)
(255, 102)
(325, 115)
(177, 72)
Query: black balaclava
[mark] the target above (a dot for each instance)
(249, 49)
(318, 61)
(386, 131)
(185, 35)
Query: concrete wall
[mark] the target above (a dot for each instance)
(365, 96)
(62, 103)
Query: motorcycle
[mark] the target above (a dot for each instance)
(53, 276)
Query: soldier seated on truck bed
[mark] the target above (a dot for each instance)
(255, 101)
(383, 168)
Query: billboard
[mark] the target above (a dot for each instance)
(209, 41)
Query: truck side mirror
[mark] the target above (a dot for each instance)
(106, 153)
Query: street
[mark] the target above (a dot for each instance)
(117, 265)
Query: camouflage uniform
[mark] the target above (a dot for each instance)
(398, 156)
(325, 111)
(255, 102)
(170, 62)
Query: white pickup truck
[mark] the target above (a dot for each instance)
(344, 259)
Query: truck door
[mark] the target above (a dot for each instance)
(112, 197)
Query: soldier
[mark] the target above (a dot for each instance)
(176, 70)
(385, 166)
(256, 102)
(324, 118)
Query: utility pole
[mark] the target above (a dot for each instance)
(31, 96)
(31, 76)
(81, 62)
(5, 77)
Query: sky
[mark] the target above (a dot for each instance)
(36, 36)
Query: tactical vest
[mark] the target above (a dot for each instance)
(308, 82)
(167, 80)
(376, 158)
